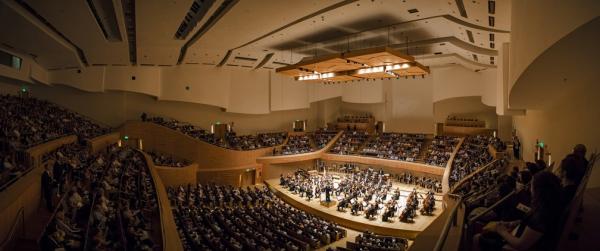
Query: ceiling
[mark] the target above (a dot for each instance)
(253, 34)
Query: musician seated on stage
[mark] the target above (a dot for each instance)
(366, 192)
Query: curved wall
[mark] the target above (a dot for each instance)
(560, 90)
(208, 156)
(538, 24)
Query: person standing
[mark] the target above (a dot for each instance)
(47, 187)
(516, 147)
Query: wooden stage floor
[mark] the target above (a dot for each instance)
(359, 222)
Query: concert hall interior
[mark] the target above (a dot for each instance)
(387, 125)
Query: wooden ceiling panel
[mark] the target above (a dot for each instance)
(374, 75)
(378, 56)
(328, 63)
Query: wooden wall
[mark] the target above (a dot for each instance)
(460, 131)
(390, 165)
(208, 156)
(25, 193)
(101, 142)
(36, 153)
(176, 176)
(273, 171)
(235, 176)
(170, 236)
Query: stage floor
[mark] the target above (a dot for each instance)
(359, 222)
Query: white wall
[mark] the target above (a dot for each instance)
(538, 24)
(560, 91)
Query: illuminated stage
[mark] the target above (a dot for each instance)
(359, 222)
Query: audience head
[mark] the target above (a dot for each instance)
(572, 169)
(544, 190)
(580, 150)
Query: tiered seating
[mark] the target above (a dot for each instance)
(26, 122)
(231, 141)
(395, 146)
(212, 217)
(464, 122)
(350, 142)
(482, 181)
(188, 129)
(365, 118)
(160, 159)
(472, 155)
(322, 137)
(297, 144)
(497, 144)
(110, 204)
(440, 150)
(370, 241)
(252, 142)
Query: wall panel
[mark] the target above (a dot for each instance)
(90, 79)
(287, 93)
(249, 92)
(140, 79)
(207, 84)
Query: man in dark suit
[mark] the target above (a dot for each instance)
(47, 187)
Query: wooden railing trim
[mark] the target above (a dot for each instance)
(9, 237)
(196, 139)
(419, 167)
(445, 181)
(281, 159)
(170, 236)
(469, 176)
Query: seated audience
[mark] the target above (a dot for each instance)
(27, 122)
(534, 232)
(395, 146)
(231, 140)
(440, 150)
(212, 217)
(350, 142)
(99, 187)
(472, 155)
(166, 160)
(371, 241)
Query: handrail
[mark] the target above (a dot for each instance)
(447, 170)
(14, 179)
(469, 176)
(121, 128)
(451, 217)
(492, 207)
(11, 233)
(158, 200)
(310, 155)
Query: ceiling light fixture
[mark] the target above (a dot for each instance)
(372, 63)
